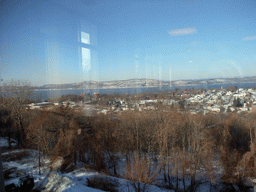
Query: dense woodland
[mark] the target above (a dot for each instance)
(167, 146)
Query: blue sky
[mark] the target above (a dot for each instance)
(169, 40)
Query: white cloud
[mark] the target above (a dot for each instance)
(190, 61)
(184, 31)
(249, 38)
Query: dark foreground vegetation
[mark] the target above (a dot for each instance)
(169, 147)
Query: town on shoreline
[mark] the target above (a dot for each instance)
(231, 99)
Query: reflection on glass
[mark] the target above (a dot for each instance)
(85, 38)
(86, 59)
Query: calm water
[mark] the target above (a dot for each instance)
(44, 95)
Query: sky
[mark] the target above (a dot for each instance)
(72, 41)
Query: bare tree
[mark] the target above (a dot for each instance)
(16, 95)
(35, 135)
(140, 173)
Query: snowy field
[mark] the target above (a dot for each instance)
(22, 162)
(51, 180)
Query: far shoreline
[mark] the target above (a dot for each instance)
(171, 86)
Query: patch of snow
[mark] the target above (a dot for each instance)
(76, 180)
(4, 142)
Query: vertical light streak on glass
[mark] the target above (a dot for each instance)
(170, 77)
(155, 72)
(53, 75)
(147, 71)
(86, 59)
(86, 65)
(80, 63)
(137, 71)
(160, 84)
(160, 77)
(95, 67)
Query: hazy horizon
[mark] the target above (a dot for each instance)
(161, 79)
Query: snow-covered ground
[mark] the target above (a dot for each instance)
(74, 181)
(4, 142)
(25, 161)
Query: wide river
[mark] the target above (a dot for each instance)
(46, 94)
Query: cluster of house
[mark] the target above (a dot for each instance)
(50, 105)
(224, 101)
(208, 101)
(241, 100)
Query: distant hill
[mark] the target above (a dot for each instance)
(140, 83)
